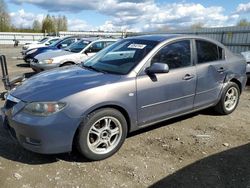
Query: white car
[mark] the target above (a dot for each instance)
(37, 41)
(247, 57)
(74, 54)
(45, 42)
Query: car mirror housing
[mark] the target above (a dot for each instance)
(157, 68)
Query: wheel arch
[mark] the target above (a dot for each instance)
(231, 77)
(114, 106)
(238, 83)
(65, 62)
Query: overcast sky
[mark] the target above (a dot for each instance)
(137, 15)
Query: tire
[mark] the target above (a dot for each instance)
(224, 106)
(101, 134)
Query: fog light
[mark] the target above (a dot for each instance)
(32, 141)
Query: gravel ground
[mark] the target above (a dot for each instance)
(198, 150)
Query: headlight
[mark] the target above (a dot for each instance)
(44, 108)
(47, 61)
(31, 51)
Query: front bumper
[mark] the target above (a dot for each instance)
(41, 67)
(47, 135)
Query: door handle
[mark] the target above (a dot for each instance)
(221, 70)
(188, 77)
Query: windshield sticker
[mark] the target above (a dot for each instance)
(137, 46)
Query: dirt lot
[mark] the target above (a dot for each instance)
(198, 150)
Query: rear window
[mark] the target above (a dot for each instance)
(208, 52)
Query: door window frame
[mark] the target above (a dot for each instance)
(196, 52)
(192, 58)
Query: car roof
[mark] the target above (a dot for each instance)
(106, 39)
(164, 37)
(157, 37)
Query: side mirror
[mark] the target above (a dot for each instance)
(157, 68)
(47, 43)
(59, 46)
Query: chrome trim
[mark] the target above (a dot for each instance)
(167, 101)
(13, 99)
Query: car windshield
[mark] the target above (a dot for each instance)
(43, 40)
(121, 57)
(54, 44)
(78, 46)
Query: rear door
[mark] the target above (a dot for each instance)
(211, 71)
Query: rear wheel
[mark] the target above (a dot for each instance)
(229, 99)
(102, 134)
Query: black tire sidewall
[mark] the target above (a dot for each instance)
(86, 125)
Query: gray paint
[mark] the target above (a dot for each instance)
(146, 100)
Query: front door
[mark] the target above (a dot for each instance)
(164, 95)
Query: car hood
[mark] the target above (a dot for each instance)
(59, 83)
(51, 54)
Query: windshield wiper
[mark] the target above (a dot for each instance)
(94, 69)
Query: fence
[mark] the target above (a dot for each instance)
(8, 37)
(236, 39)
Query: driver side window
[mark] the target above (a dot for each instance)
(96, 47)
(175, 55)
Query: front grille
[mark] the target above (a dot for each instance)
(9, 104)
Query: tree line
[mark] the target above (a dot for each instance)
(49, 24)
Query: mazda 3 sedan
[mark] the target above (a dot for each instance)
(134, 83)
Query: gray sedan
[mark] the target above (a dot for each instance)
(134, 83)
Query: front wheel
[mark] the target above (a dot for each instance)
(102, 134)
(229, 99)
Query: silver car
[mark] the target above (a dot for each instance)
(134, 83)
(74, 54)
(247, 57)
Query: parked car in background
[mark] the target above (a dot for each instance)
(247, 57)
(134, 83)
(46, 42)
(74, 54)
(37, 41)
(60, 44)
